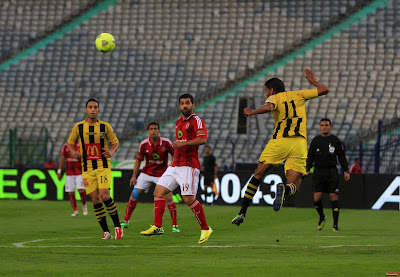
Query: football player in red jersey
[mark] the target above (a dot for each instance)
(73, 170)
(155, 150)
(184, 172)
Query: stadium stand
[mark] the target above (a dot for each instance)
(163, 50)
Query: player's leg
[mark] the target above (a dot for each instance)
(208, 181)
(172, 211)
(293, 184)
(188, 180)
(251, 190)
(130, 206)
(92, 189)
(295, 164)
(100, 212)
(334, 197)
(317, 195)
(104, 180)
(160, 193)
(70, 188)
(81, 189)
(166, 184)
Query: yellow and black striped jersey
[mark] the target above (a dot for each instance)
(93, 137)
(290, 112)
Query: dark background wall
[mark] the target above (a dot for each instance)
(361, 192)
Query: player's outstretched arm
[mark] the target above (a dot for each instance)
(322, 89)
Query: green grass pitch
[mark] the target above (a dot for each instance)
(40, 238)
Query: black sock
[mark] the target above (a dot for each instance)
(101, 216)
(251, 190)
(319, 208)
(112, 211)
(335, 212)
(290, 189)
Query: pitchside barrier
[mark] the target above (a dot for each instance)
(363, 191)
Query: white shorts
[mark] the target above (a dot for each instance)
(184, 176)
(145, 181)
(71, 181)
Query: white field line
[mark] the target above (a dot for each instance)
(24, 245)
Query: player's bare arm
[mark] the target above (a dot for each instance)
(135, 173)
(263, 109)
(109, 153)
(75, 154)
(322, 89)
(194, 142)
(60, 166)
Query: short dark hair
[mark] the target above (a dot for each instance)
(92, 99)
(276, 84)
(356, 159)
(326, 119)
(186, 95)
(208, 146)
(153, 123)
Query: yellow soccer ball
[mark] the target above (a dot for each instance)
(105, 42)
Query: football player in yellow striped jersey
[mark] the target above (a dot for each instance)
(94, 135)
(288, 143)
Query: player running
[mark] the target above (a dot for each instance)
(289, 140)
(155, 150)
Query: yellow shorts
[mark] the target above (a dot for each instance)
(97, 179)
(291, 150)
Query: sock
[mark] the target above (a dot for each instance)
(251, 190)
(198, 211)
(159, 209)
(73, 201)
(335, 212)
(101, 216)
(112, 211)
(130, 207)
(319, 208)
(172, 210)
(290, 189)
(82, 193)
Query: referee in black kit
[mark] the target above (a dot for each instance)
(322, 154)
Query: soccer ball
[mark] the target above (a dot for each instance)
(105, 42)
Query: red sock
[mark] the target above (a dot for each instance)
(82, 193)
(129, 209)
(72, 200)
(198, 211)
(159, 209)
(172, 211)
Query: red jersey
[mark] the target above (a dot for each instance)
(73, 166)
(355, 169)
(186, 130)
(156, 155)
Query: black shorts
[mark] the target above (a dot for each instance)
(326, 180)
(208, 179)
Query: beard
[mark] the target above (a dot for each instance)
(186, 112)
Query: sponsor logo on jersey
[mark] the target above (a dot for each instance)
(93, 151)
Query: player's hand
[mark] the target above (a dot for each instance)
(310, 77)
(247, 111)
(133, 181)
(346, 176)
(76, 155)
(106, 153)
(178, 144)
